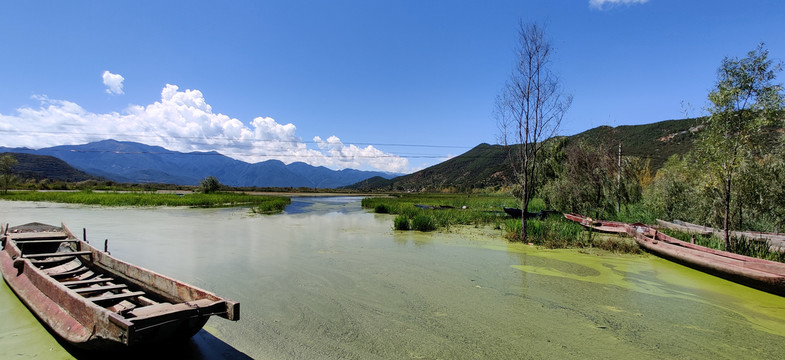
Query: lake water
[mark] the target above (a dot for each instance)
(328, 280)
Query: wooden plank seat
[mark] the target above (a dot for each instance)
(86, 282)
(120, 296)
(100, 288)
(38, 235)
(167, 310)
(57, 254)
(54, 241)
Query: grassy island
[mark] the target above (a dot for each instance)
(259, 204)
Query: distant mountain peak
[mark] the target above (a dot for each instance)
(127, 161)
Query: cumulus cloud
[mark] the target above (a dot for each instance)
(184, 121)
(113, 83)
(602, 4)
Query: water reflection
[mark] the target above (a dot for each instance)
(322, 204)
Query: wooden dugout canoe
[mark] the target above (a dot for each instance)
(776, 240)
(608, 227)
(761, 274)
(95, 301)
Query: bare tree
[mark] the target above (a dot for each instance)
(530, 109)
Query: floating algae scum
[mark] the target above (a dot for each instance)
(340, 283)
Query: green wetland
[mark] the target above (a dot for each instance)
(329, 279)
(258, 203)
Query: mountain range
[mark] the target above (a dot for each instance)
(481, 167)
(487, 165)
(131, 162)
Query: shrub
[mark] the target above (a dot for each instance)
(210, 184)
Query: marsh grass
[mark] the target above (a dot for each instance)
(271, 205)
(88, 197)
(481, 210)
(402, 223)
(452, 209)
(423, 222)
(556, 232)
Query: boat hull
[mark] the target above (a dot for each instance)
(768, 276)
(607, 227)
(100, 322)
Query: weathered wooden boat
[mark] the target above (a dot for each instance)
(761, 274)
(776, 240)
(608, 227)
(95, 301)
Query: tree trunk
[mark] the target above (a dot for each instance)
(726, 223)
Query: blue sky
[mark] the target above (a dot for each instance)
(389, 85)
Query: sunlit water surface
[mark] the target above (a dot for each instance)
(326, 279)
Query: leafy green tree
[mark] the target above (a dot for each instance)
(7, 163)
(673, 191)
(744, 102)
(210, 184)
(587, 182)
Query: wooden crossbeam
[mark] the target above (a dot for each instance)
(68, 273)
(100, 288)
(38, 236)
(48, 241)
(119, 296)
(57, 254)
(86, 282)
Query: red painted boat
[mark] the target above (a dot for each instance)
(95, 301)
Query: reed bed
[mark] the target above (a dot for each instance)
(260, 203)
(446, 210)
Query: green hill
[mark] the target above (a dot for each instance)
(486, 165)
(657, 141)
(41, 167)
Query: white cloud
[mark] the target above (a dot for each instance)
(352, 156)
(602, 4)
(113, 83)
(184, 121)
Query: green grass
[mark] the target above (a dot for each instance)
(262, 203)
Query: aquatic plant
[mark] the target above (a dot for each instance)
(423, 222)
(401, 222)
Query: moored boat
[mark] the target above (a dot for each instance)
(761, 274)
(608, 227)
(95, 301)
(776, 240)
